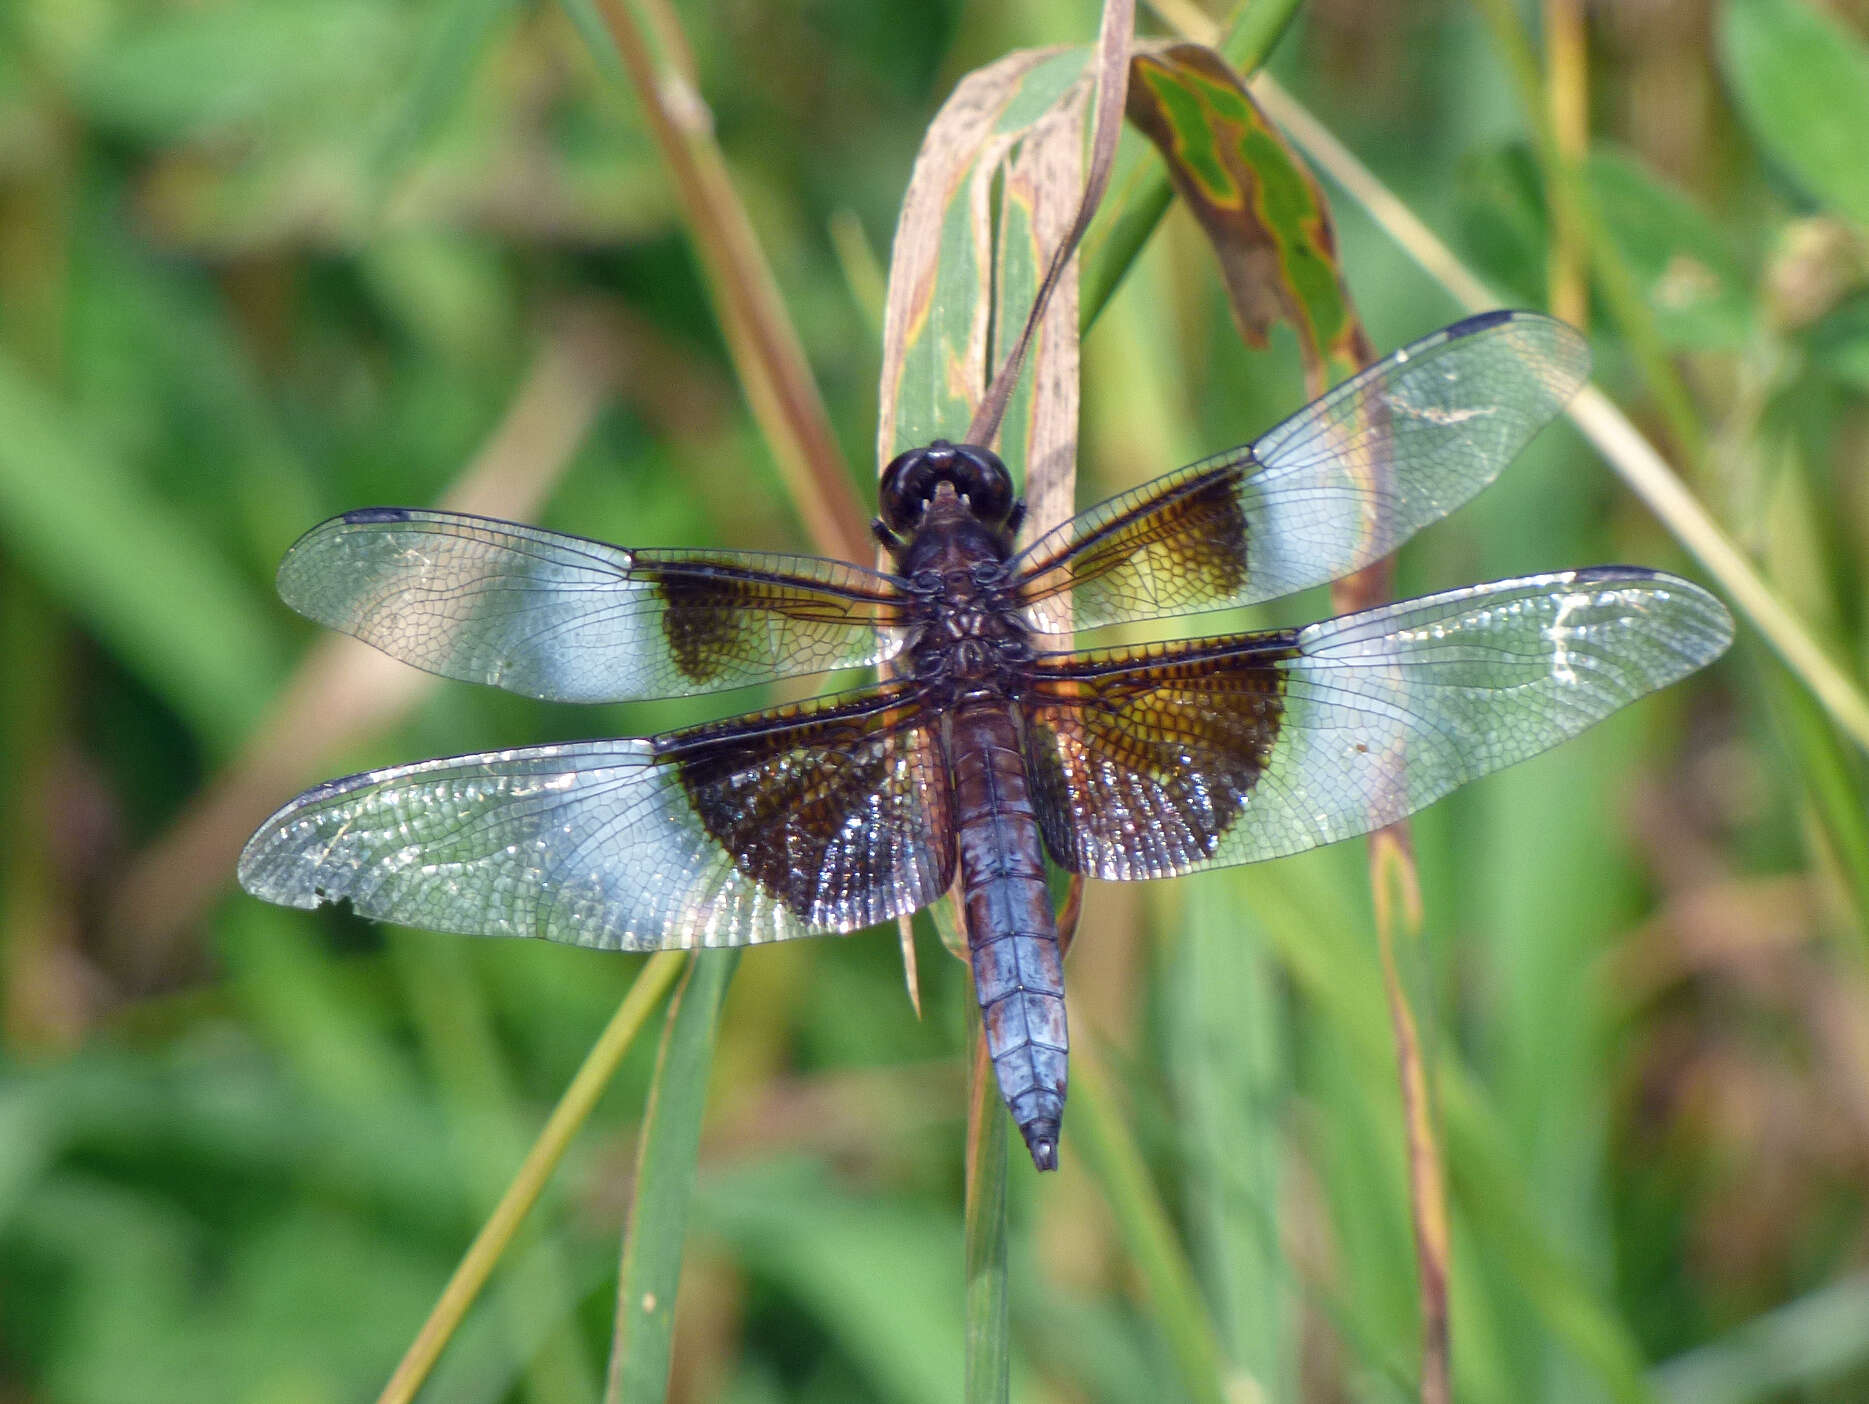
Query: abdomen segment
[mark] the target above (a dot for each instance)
(1012, 935)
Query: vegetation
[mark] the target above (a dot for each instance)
(265, 260)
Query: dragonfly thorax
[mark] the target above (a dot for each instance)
(968, 631)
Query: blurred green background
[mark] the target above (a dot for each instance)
(265, 260)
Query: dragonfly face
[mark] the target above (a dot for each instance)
(990, 750)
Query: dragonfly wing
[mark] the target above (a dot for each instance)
(1184, 756)
(829, 817)
(1340, 484)
(561, 617)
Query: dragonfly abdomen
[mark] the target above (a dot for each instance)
(1011, 932)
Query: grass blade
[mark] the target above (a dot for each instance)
(1796, 1348)
(1398, 922)
(1168, 1281)
(1110, 65)
(658, 973)
(989, 1331)
(658, 1219)
(441, 77)
(142, 576)
(1231, 1061)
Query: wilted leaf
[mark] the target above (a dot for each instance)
(1261, 208)
(937, 324)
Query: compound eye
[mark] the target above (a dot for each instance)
(911, 478)
(982, 479)
(906, 484)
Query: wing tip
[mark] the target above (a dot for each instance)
(1574, 354)
(1480, 321)
(256, 877)
(256, 870)
(1715, 619)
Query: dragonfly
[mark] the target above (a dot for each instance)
(991, 749)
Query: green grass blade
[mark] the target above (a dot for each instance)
(1833, 778)
(1231, 1063)
(443, 72)
(1501, 1207)
(1323, 947)
(665, 1165)
(989, 1330)
(154, 588)
(1796, 1348)
(767, 352)
(1176, 1305)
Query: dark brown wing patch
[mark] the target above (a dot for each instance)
(722, 620)
(1141, 761)
(841, 812)
(1177, 546)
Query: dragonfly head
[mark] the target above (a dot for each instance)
(911, 481)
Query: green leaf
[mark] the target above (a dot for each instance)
(1687, 272)
(200, 69)
(1801, 81)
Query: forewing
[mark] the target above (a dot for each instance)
(784, 823)
(560, 617)
(1340, 484)
(1201, 754)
